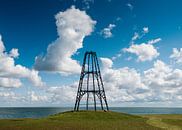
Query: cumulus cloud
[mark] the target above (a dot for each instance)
(156, 84)
(55, 95)
(106, 62)
(64, 94)
(73, 26)
(10, 82)
(122, 84)
(144, 51)
(158, 76)
(177, 55)
(34, 97)
(9, 97)
(164, 81)
(11, 74)
(159, 83)
(106, 32)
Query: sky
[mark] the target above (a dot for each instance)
(138, 44)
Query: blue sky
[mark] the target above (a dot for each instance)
(30, 26)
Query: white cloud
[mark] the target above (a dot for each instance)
(34, 97)
(106, 32)
(145, 29)
(2, 48)
(117, 56)
(177, 55)
(153, 41)
(106, 62)
(159, 83)
(14, 53)
(65, 94)
(8, 96)
(122, 84)
(11, 74)
(164, 81)
(140, 35)
(135, 36)
(144, 51)
(10, 82)
(157, 76)
(73, 26)
(130, 6)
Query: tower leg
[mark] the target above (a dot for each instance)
(93, 83)
(88, 68)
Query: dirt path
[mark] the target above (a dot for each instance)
(157, 122)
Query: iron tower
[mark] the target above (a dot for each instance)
(91, 88)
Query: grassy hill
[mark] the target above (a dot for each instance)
(84, 120)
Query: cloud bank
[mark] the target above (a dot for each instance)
(159, 83)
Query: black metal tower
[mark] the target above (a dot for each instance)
(90, 85)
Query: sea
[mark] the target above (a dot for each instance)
(38, 112)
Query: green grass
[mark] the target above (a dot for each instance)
(84, 120)
(90, 120)
(165, 121)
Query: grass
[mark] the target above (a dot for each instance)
(165, 121)
(90, 120)
(84, 120)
